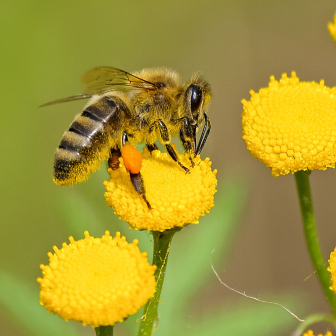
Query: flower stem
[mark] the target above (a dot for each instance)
(162, 241)
(104, 331)
(312, 319)
(309, 224)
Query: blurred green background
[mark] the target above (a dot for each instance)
(237, 44)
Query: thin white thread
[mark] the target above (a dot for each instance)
(251, 297)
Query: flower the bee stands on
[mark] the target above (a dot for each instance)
(177, 198)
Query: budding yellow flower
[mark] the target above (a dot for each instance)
(310, 333)
(291, 125)
(332, 28)
(176, 198)
(97, 281)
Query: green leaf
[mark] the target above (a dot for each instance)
(78, 215)
(22, 304)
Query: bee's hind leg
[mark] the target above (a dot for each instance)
(139, 186)
(166, 141)
(136, 179)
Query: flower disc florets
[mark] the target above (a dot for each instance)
(176, 198)
(97, 281)
(311, 333)
(291, 125)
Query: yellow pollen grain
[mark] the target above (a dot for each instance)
(97, 281)
(176, 198)
(291, 125)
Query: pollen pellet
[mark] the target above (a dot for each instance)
(132, 158)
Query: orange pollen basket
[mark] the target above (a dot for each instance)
(132, 158)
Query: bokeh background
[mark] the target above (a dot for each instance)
(237, 44)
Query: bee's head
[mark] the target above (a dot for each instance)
(197, 98)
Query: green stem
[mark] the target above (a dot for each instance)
(309, 224)
(162, 241)
(104, 331)
(312, 319)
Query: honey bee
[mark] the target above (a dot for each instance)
(138, 108)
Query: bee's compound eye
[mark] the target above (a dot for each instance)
(196, 97)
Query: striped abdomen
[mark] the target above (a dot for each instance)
(87, 142)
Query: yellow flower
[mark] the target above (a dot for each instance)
(176, 198)
(291, 125)
(97, 281)
(332, 269)
(310, 333)
(332, 28)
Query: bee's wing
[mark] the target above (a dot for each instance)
(102, 79)
(68, 99)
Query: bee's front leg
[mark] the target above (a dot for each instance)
(166, 141)
(204, 135)
(188, 138)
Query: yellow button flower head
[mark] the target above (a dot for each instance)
(97, 281)
(332, 28)
(291, 125)
(310, 333)
(176, 198)
(332, 270)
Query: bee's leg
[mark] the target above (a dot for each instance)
(152, 147)
(166, 141)
(113, 160)
(204, 135)
(124, 138)
(188, 138)
(136, 179)
(139, 186)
